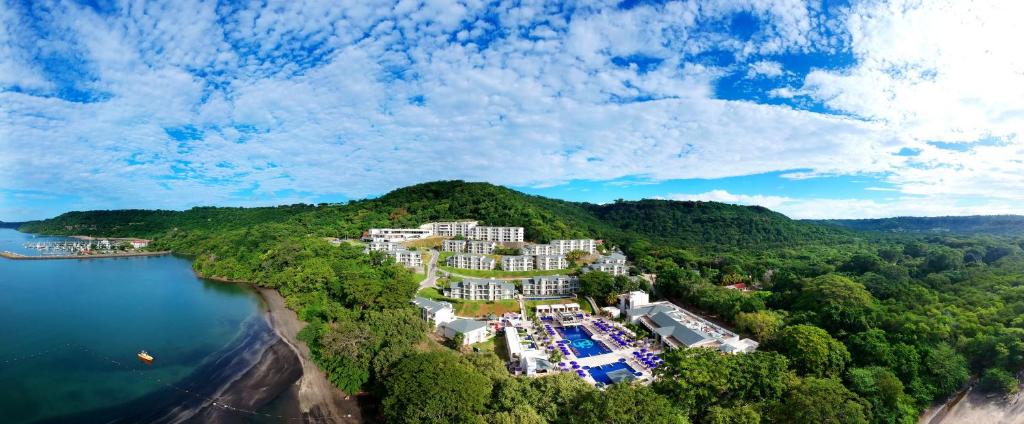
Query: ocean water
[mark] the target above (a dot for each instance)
(70, 329)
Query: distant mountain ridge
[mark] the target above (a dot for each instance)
(677, 223)
(1004, 225)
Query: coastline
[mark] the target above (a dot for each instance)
(318, 399)
(20, 257)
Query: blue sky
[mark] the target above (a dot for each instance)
(815, 109)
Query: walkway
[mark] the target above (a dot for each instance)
(431, 279)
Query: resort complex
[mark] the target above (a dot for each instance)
(675, 327)
(550, 286)
(614, 264)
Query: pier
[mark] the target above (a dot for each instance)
(18, 256)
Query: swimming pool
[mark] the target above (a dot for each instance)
(582, 344)
(612, 373)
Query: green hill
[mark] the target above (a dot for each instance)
(1005, 225)
(679, 224)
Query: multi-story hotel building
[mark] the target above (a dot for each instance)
(549, 262)
(517, 263)
(498, 234)
(481, 289)
(550, 285)
(471, 261)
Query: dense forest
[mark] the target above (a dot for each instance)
(1006, 225)
(855, 325)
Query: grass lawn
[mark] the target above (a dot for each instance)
(431, 293)
(497, 273)
(486, 345)
(483, 308)
(430, 242)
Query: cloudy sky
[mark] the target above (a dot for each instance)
(831, 109)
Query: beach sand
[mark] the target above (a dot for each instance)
(318, 399)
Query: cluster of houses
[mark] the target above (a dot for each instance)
(442, 315)
(542, 286)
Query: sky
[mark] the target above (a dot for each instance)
(829, 109)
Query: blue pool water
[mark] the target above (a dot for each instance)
(600, 373)
(582, 343)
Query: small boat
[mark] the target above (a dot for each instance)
(145, 357)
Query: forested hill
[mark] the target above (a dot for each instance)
(1005, 225)
(680, 224)
(11, 224)
(693, 224)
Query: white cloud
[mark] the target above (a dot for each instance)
(299, 99)
(765, 68)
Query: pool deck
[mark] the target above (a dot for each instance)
(607, 358)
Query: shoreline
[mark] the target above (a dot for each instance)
(318, 399)
(20, 257)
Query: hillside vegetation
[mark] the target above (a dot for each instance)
(1005, 225)
(856, 326)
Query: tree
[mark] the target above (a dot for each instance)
(871, 348)
(574, 257)
(762, 324)
(431, 387)
(626, 404)
(812, 351)
(884, 392)
(597, 284)
(946, 371)
(998, 380)
(822, 401)
(838, 302)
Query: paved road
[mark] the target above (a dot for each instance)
(431, 279)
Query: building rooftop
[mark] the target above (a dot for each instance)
(463, 325)
(431, 305)
(485, 281)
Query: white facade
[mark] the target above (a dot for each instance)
(676, 327)
(517, 263)
(563, 247)
(435, 312)
(550, 285)
(480, 247)
(471, 261)
(614, 264)
(450, 245)
(481, 289)
(397, 234)
(139, 243)
(549, 262)
(450, 228)
(472, 331)
(409, 258)
(633, 300)
(382, 246)
(498, 234)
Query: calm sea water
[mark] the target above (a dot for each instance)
(70, 329)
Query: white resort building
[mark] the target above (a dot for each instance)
(450, 228)
(517, 263)
(614, 264)
(498, 234)
(676, 327)
(562, 247)
(549, 262)
(481, 289)
(550, 286)
(382, 246)
(435, 312)
(468, 246)
(409, 258)
(473, 331)
(471, 261)
(396, 234)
